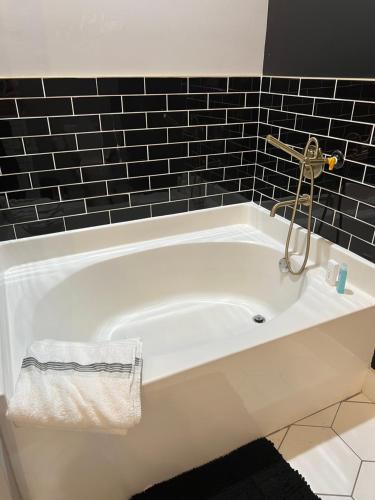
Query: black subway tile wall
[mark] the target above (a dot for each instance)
(82, 152)
(341, 114)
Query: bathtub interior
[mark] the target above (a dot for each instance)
(173, 297)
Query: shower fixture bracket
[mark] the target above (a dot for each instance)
(314, 162)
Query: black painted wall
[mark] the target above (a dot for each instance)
(323, 38)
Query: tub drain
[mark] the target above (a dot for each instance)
(258, 318)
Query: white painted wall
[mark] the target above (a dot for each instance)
(131, 37)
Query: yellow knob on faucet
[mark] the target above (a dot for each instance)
(331, 163)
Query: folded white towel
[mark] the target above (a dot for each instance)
(79, 386)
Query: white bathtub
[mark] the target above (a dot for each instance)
(189, 286)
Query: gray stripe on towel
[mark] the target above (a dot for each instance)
(92, 367)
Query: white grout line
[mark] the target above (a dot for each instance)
(372, 138)
(44, 90)
(24, 148)
(98, 96)
(334, 90)
(18, 112)
(113, 209)
(323, 117)
(319, 97)
(72, 106)
(138, 129)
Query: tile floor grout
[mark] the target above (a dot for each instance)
(334, 418)
(315, 412)
(287, 430)
(356, 479)
(342, 439)
(350, 461)
(313, 425)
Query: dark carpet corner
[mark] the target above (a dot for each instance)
(255, 471)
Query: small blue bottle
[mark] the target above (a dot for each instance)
(341, 280)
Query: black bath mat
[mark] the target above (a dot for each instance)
(255, 471)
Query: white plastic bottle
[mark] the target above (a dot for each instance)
(332, 272)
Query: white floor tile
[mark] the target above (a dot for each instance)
(365, 486)
(277, 437)
(360, 398)
(327, 464)
(323, 418)
(355, 423)
(334, 497)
